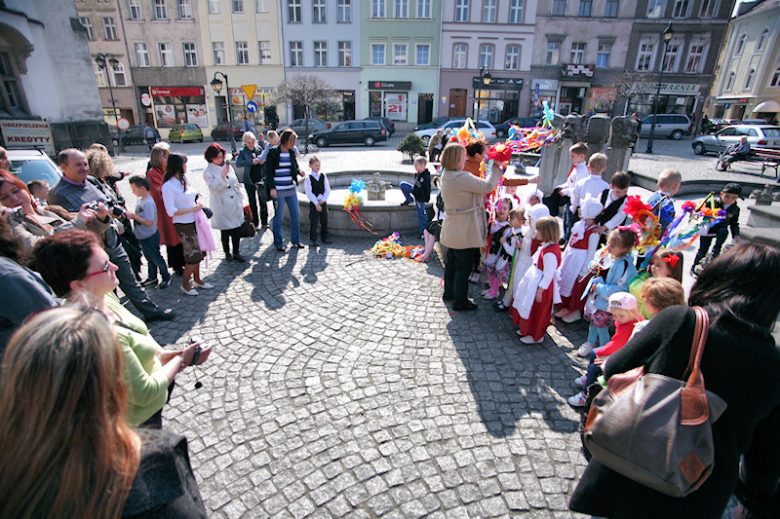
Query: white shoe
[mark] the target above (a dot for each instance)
(190, 292)
(529, 340)
(578, 400)
(572, 317)
(560, 313)
(580, 381)
(484, 292)
(202, 285)
(585, 349)
(487, 295)
(474, 277)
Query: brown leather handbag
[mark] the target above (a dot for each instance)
(657, 430)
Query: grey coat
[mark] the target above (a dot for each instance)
(225, 198)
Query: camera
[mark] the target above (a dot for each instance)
(17, 213)
(113, 207)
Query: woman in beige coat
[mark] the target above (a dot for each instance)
(226, 200)
(464, 230)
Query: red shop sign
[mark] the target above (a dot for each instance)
(178, 92)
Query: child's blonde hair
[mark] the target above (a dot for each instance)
(662, 293)
(313, 159)
(597, 163)
(669, 178)
(579, 148)
(421, 160)
(517, 213)
(548, 228)
(618, 313)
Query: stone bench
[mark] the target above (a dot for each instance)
(761, 235)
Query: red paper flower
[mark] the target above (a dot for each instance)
(689, 207)
(500, 152)
(634, 206)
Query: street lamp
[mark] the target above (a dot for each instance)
(100, 59)
(667, 36)
(216, 84)
(484, 79)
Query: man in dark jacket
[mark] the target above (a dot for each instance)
(720, 231)
(421, 191)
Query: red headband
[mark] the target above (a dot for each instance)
(672, 260)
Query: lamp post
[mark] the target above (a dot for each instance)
(216, 84)
(100, 59)
(484, 80)
(667, 36)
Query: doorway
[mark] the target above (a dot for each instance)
(457, 102)
(424, 108)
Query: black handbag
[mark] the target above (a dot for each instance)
(247, 229)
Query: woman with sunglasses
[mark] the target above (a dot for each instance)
(75, 265)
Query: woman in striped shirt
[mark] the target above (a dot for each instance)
(281, 177)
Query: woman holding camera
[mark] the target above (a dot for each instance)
(226, 200)
(249, 159)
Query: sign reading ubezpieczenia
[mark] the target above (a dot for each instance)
(20, 134)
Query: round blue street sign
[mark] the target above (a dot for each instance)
(251, 106)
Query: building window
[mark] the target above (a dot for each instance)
(238, 6)
(377, 8)
(750, 77)
(100, 75)
(461, 10)
(516, 11)
(585, 8)
(553, 53)
(602, 58)
(344, 12)
(681, 9)
(423, 55)
(740, 45)
(775, 82)
(214, 6)
(190, 54)
(400, 54)
(762, 40)
(294, 11)
(134, 8)
(655, 8)
(709, 9)
(160, 10)
(730, 81)
(296, 54)
(10, 99)
(345, 54)
(489, 11)
(559, 8)
(265, 52)
(166, 55)
(486, 56)
(672, 56)
(377, 53)
(261, 6)
(459, 54)
(141, 54)
(86, 21)
(611, 10)
(185, 10)
(512, 58)
(320, 54)
(219, 52)
(696, 56)
(644, 59)
(242, 53)
(318, 11)
(109, 28)
(401, 8)
(118, 74)
(578, 53)
(423, 8)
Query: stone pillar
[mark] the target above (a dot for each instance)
(598, 133)
(556, 163)
(621, 143)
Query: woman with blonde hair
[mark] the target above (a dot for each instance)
(62, 399)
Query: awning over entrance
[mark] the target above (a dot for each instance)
(769, 105)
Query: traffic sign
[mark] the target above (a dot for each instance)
(123, 124)
(249, 90)
(251, 106)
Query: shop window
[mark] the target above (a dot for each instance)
(344, 11)
(423, 9)
(190, 54)
(762, 40)
(775, 81)
(109, 28)
(681, 8)
(318, 11)
(345, 54)
(242, 53)
(142, 54)
(86, 22)
(11, 100)
(218, 48)
(185, 9)
(378, 8)
(401, 9)
(730, 81)
(602, 58)
(238, 6)
(709, 8)
(294, 11)
(400, 54)
(160, 10)
(320, 54)
(611, 10)
(486, 56)
(516, 11)
(559, 8)
(423, 58)
(645, 56)
(655, 8)
(264, 48)
(750, 77)
(261, 6)
(512, 57)
(214, 6)
(672, 56)
(461, 10)
(459, 55)
(578, 53)
(553, 53)
(696, 54)
(489, 11)
(377, 53)
(740, 45)
(585, 8)
(296, 54)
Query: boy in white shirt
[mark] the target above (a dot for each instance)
(593, 185)
(579, 171)
(317, 191)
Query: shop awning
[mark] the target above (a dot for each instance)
(767, 106)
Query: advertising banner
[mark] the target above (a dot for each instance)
(395, 106)
(20, 134)
(197, 114)
(166, 115)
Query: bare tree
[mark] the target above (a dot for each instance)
(305, 90)
(625, 84)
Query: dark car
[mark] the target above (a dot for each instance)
(220, 133)
(502, 129)
(438, 123)
(385, 122)
(299, 126)
(133, 135)
(351, 132)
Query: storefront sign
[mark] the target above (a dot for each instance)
(395, 106)
(666, 88)
(603, 94)
(196, 114)
(390, 85)
(178, 92)
(19, 134)
(146, 100)
(166, 115)
(545, 84)
(498, 83)
(577, 70)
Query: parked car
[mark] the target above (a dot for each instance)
(438, 122)
(34, 164)
(485, 127)
(672, 126)
(221, 133)
(185, 133)
(351, 132)
(384, 121)
(760, 122)
(133, 135)
(502, 129)
(765, 136)
(299, 126)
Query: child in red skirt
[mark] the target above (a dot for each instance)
(538, 290)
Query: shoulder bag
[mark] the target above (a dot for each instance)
(657, 430)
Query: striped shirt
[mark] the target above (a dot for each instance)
(283, 176)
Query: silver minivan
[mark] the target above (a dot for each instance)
(672, 126)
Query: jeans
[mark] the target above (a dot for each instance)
(569, 219)
(593, 370)
(422, 216)
(128, 284)
(257, 198)
(456, 275)
(598, 336)
(721, 234)
(292, 207)
(318, 219)
(151, 248)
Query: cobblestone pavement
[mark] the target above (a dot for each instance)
(342, 386)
